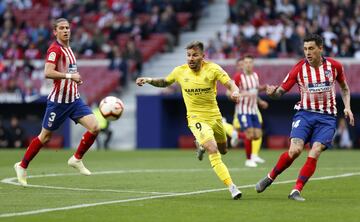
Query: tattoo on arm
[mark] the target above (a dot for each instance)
(278, 93)
(345, 94)
(159, 82)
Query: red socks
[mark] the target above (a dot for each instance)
(305, 173)
(31, 152)
(247, 145)
(284, 162)
(85, 143)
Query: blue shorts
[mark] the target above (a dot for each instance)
(248, 121)
(313, 127)
(56, 113)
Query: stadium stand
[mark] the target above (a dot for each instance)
(275, 29)
(97, 27)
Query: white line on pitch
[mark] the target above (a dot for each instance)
(157, 197)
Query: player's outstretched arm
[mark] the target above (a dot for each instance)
(233, 91)
(274, 92)
(157, 82)
(345, 95)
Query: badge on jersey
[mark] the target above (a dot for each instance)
(72, 68)
(52, 56)
(327, 73)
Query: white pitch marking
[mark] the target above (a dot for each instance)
(158, 197)
(13, 179)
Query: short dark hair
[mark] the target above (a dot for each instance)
(57, 21)
(240, 59)
(314, 38)
(248, 56)
(195, 44)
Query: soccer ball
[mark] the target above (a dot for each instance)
(111, 108)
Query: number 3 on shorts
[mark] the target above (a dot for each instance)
(52, 117)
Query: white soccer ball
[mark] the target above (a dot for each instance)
(111, 108)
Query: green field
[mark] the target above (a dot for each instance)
(171, 185)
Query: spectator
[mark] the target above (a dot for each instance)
(343, 136)
(4, 136)
(119, 62)
(16, 133)
(266, 47)
(132, 53)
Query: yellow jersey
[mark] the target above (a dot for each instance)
(199, 88)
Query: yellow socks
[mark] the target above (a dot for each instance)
(220, 169)
(256, 144)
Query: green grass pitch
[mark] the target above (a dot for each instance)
(172, 185)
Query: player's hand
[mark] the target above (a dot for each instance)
(349, 115)
(263, 104)
(235, 96)
(141, 81)
(76, 77)
(270, 90)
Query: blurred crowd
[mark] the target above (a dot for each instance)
(98, 31)
(276, 28)
(12, 135)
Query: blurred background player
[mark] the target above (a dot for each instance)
(315, 120)
(197, 80)
(247, 111)
(64, 101)
(237, 137)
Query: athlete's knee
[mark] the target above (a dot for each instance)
(210, 147)
(44, 137)
(257, 134)
(316, 150)
(296, 147)
(95, 129)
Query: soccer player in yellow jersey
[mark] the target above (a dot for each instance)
(197, 80)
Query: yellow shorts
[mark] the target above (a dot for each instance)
(207, 130)
(236, 122)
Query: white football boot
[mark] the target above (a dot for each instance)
(235, 192)
(250, 163)
(20, 174)
(257, 159)
(78, 164)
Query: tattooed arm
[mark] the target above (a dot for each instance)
(157, 82)
(345, 94)
(274, 92)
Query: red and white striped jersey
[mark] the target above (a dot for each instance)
(316, 85)
(249, 84)
(64, 90)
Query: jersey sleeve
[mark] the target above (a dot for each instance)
(236, 79)
(171, 78)
(221, 75)
(340, 77)
(290, 79)
(53, 55)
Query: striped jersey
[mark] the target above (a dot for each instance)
(64, 90)
(316, 85)
(249, 84)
